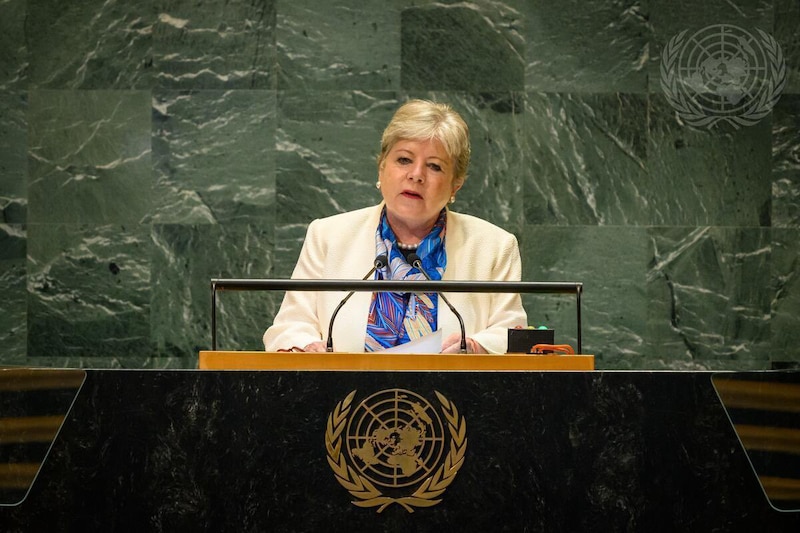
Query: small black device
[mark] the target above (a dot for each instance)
(521, 340)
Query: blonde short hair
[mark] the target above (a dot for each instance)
(422, 120)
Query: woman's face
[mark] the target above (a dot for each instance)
(417, 180)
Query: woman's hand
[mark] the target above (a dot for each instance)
(452, 344)
(317, 346)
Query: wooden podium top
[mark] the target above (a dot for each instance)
(218, 360)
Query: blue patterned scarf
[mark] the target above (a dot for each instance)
(398, 317)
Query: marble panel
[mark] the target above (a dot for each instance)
(611, 263)
(88, 291)
(13, 158)
(787, 22)
(288, 243)
(786, 199)
(469, 46)
(13, 310)
(587, 47)
(667, 19)
(786, 162)
(698, 177)
(92, 44)
(215, 45)
(186, 259)
(13, 50)
(709, 294)
(586, 159)
(349, 44)
(89, 157)
(785, 315)
(328, 143)
(214, 157)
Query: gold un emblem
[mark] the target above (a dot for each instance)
(394, 448)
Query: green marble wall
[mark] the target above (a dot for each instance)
(148, 146)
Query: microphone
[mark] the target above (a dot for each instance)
(416, 262)
(380, 262)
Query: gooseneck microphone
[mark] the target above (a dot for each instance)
(416, 262)
(380, 262)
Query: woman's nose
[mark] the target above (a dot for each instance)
(416, 173)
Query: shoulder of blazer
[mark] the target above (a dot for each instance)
(345, 240)
(466, 226)
(357, 216)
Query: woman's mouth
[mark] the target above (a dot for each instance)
(412, 195)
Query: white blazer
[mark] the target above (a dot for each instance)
(343, 247)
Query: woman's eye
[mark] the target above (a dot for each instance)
(435, 167)
(403, 160)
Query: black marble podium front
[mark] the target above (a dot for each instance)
(545, 451)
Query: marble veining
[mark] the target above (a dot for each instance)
(13, 48)
(215, 46)
(88, 150)
(586, 160)
(785, 278)
(787, 19)
(347, 45)
(13, 326)
(610, 262)
(88, 281)
(471, 32)
(214, 157)
(187, 257)
(102, 44)
(327, 148)
(13, 159)
(709, 294)
(587, 47)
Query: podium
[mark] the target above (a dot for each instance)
(382, 450)
(246, 360)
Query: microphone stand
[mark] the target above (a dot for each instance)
(380, 262)
(416, 262)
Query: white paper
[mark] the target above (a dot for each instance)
(428, 344)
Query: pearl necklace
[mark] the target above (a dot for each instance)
(403, 246)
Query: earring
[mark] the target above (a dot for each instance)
(453, 199)
(378, 184)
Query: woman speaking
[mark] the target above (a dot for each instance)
(421, 167)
